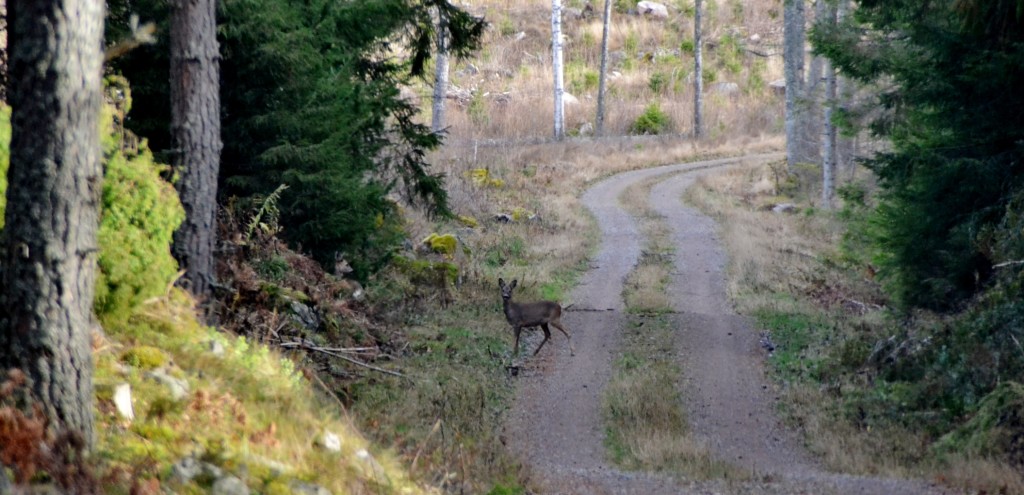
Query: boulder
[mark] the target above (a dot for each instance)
(652, 9)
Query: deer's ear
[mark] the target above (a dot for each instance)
(501, 282)
(513, 286)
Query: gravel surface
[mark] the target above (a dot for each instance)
(555, 425)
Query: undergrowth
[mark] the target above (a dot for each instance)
(877, 390)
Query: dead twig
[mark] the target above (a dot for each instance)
(327, 351)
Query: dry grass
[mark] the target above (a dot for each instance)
(511, 79)
(784, 266)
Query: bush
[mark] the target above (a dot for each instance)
(653, 121)
(140, 212)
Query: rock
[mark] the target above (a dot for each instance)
(305, 316)
(302, 488)
(229, 485)
(329, 441)
(586, 129)
(784, 208)
(615, 75)
(184, 470)
(123, 401)
(778, 86)
(727, 88)
(569, 99)
(754, 38)
(178, 388)
(371, 463)
(216, 347)
(471, 70)
(652, 9)
(520, 36)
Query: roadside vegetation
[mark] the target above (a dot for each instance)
(876, 390)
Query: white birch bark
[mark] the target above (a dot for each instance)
(793, 54)
(603, 77)
(557, 68)
(698, 72)
(828, 163)
(440, 74)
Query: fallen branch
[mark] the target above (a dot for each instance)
(329, 352)
(1008, 263)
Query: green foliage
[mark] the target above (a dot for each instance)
(730, 53)
(653, 121)
(310, 102)
(956, 160)
(144, 357)
(658, 82)
(139, 213)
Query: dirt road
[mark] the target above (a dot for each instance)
(556, 426)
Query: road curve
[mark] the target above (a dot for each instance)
(555, 425)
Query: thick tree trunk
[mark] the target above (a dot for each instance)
(793, 54)
(603, 77)
(53, 199)
(698, 72)
(557, 68)
(440, 73)
(195, 131)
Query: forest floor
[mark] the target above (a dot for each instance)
(556, 425)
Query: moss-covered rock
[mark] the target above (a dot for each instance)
(443, 244)
(144, 357)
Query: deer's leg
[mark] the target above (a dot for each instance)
(515, 348)
(547, 335)
(558, 325)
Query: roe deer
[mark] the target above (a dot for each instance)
(532, 314)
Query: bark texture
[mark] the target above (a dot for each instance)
(440, 73)
(48, 264)
(793, 54)
(195, 131)
(698, 72)
(557, 67)
(603, 78)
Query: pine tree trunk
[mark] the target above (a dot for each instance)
(55, 179)
(845, 88)
(603, 77)
(793, 53)
(440, 73)
(195, 131)
(698, 72)
(556, 62)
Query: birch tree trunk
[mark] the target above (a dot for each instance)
(698, 72)
(440, 73)
(49, 247)
(195, 133)
(810, 134)
(793, 53)
(603, 76)
(557, 68)
(828, 163)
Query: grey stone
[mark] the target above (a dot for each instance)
(184, 470)
(301, 488)
(229, 485)
(178, 387)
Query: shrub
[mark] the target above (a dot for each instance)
(654, 120)
(140, 211)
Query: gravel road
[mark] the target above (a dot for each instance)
(555, 425)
